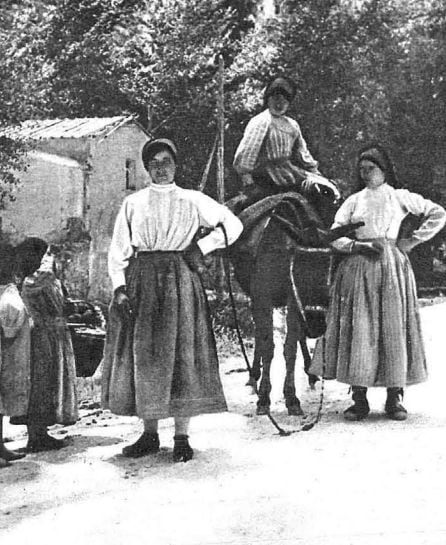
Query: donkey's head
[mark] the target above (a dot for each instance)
(325, 196)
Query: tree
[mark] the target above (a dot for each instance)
(11, 157)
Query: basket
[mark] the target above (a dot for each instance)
(88, 346)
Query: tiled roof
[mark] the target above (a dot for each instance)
(68, 128)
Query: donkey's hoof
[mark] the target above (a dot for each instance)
(295, 410)
(252, 385)
(312, 379)
(252, 391)
(262, 410)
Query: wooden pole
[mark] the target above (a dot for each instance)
(221, 126)
(220, 280)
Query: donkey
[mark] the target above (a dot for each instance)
(277, 265)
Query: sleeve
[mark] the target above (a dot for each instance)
(249, 148)
(344, 217)
(121, 248)
(12, 316)
(301, 150)
(434, 215)
(211, 215)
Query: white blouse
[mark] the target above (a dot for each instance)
(382, 210)
(166, 218)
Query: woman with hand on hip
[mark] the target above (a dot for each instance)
(160, 357)
(373, 335)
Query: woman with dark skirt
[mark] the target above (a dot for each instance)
(373, 336)
(53, 397)
(160, 357)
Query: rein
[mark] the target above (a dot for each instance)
(301, 310)
(282, 432)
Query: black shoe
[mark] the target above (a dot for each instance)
(18, 420)
(182, 451)
(148, 443)
(10, 455)
(360, 409)
(394, 408)
(42, 443)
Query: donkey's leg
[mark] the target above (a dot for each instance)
(263, 319)
(254, 375)
(312, 379)
(293, 334)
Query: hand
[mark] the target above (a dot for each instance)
(7, 342)
(247, 179)
(370, 249)
(122, 303)
(308, 184)
(68, 308)
(194, 258)
(406, 245)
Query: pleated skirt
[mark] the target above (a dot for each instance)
(163, 362)
(373, 335)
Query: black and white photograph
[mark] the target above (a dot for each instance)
(222, 272)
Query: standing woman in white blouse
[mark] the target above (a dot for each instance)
(160, 358)
(373, 335)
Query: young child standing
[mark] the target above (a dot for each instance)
(53, 374)
(14, 351)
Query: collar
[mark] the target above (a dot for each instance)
(383, 188)
(163, 188)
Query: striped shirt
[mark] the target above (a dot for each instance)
(269, 138)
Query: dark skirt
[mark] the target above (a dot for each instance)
(163, 362)
(53, 396)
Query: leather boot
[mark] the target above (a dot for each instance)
(148, 443)
(360, 409)
(39, 439)
(182, 451)
(394, 409)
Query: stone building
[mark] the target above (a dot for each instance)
(79, 171)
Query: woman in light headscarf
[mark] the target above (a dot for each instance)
(373, 335)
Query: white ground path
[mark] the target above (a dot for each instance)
(372, 483)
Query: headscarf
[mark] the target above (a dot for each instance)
(6, 258)
(376, 154)
(29, 254)
(153, 147)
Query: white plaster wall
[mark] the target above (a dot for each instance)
(106, 191)
(50, 192)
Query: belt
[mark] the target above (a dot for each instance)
(141, 253)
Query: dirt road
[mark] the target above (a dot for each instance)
(376, 482)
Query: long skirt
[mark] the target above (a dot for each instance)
(53, 397)
(15, 373)
(373, 335)
(163, 361)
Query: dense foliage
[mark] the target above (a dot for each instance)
(366, 69)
